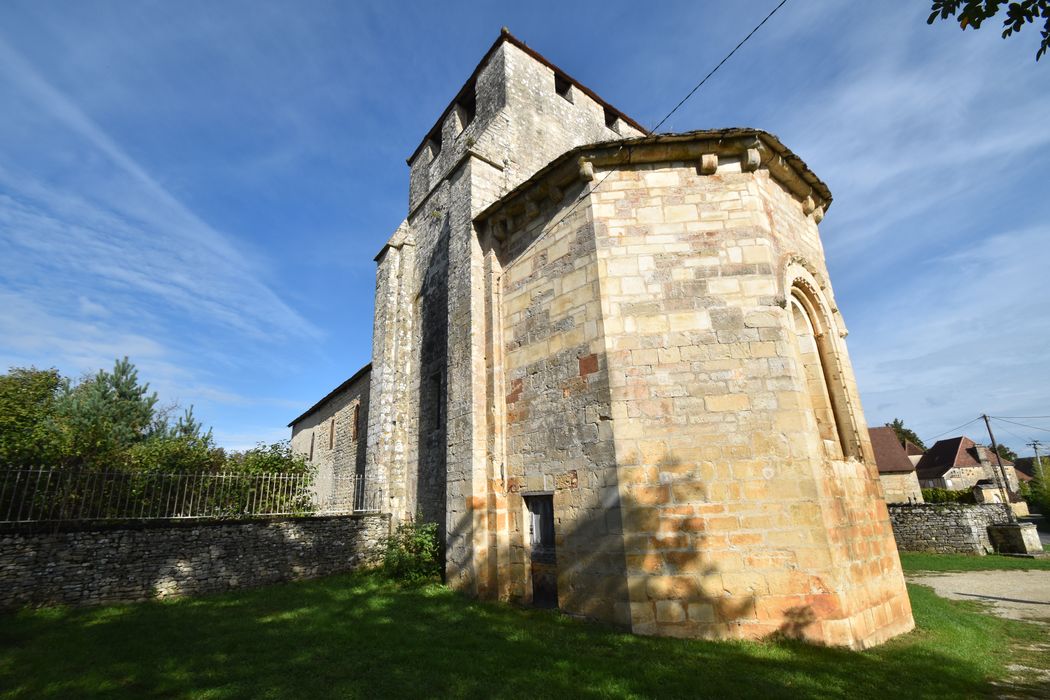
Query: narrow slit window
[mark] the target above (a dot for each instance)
(436, 402)
(355, 419)
(312, 436)
(562, 86)
(331, 433)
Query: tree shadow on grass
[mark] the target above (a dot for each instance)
(358, 636)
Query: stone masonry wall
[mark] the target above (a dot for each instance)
(423, 395)
(557, 421)
(122, 564)
(340, 455)
(945, 528)
(738, 516)
(901, 487)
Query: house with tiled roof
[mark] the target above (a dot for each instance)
(896, 470)
(959, 463)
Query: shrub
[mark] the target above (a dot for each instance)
(947, 496)
(275, 458)
(412, 552)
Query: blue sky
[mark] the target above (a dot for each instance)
(203, 186)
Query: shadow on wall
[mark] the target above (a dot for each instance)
(353, 636)
(666, 576)
(431, 460)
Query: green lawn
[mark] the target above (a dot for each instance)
(359, 636)
(920, 561)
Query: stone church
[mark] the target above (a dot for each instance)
(610, 365)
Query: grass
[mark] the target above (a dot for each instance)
(921, 561)
(360, 636)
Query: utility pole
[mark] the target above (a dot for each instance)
(1038, 471)
(1001, 474)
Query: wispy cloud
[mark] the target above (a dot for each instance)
(124, 229)
(963, 336)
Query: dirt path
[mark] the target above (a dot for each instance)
(1018, 595)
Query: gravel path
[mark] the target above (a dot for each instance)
(1018, 595)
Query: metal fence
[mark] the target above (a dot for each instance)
(60, 495)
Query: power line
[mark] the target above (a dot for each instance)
(1022, 417)
(1023, 425)
(1008, 430)
(715, 69)
(668, 116)
(952, 430)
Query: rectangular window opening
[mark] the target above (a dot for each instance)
(541, 523)
(331, 433)
(355, 419)
(466, 107)
(612, 120)
(434, 141)
(312, 436)
(562, 86)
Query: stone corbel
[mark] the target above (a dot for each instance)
(499, 230)
(751, 160)
(818, 215)
(709, 164)
(586, 170)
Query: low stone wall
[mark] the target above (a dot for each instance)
(945, 528)
(139, 561)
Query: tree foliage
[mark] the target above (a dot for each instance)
(27, 402)
(905, 434)
(1006, 453)
(973, 13)
(111, 421)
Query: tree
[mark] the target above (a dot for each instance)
(905, 434)
(109, 421)
(102, 416)
(27, 402)
(1006, 453)
(973, 13)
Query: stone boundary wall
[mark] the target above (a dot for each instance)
(145, 560)
(945, 528)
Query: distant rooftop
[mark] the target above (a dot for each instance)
(890, 456)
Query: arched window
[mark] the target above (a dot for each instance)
(817, 355)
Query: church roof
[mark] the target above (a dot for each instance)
(345, 385)
(620, 150)
(506, 37)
